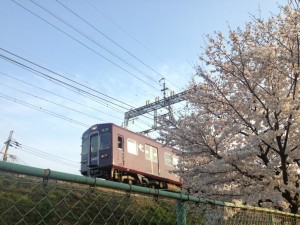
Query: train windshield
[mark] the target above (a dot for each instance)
(100, 142)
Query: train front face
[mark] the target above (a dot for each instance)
(96, 152)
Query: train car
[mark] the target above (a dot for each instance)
(114, 153)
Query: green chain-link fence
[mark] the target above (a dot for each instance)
(35, 196)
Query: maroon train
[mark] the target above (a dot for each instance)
(114, 153)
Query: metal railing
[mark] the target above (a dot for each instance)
(31, 195)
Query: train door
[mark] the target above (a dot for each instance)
(120, 154)
(94, 147)
(151, 155)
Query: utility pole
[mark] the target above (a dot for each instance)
(7, 146)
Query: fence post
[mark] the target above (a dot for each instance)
(271, 219)
(181, 213)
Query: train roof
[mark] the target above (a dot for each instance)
(129, 131)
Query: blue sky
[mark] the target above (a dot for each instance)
(165, 38)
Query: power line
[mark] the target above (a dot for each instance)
(55, 80)
(50, 92)
(135, 39)
(45, 155)
(101, 46)
(64, 77)
(62, 32)
(80, 42)
(30, 139)
(62, 83)
(110, 39)
(61, 104)
(43, 110)
(54, 103)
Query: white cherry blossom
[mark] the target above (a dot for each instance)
(241, 134)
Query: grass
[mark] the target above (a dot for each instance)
(24, 200)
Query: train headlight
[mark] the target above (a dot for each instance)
(103, 156)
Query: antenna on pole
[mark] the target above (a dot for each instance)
(164, 89)
(7, 143)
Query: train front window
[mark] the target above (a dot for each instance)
(94, 143)
(105, 141)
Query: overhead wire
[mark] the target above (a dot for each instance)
(59, 29)
(30, 139)
(99, 31)
(75, 77)
(62, 83)
(135, 39)
(55, 80)
(43, 110)
(89, 38)
(45, 155)
(42, 154)
(54, 103)
(80, 42)
(64, 77)
(101, 46)
(110, 39)
(55, 94)
(18, 101)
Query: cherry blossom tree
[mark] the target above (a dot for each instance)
(241, 134)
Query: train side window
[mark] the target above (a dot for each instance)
(132, 146)
(154, 154)
(120, 142)
(151, 153)
(147, 152)
(171, 160)
(94, 143)
(168, 159)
